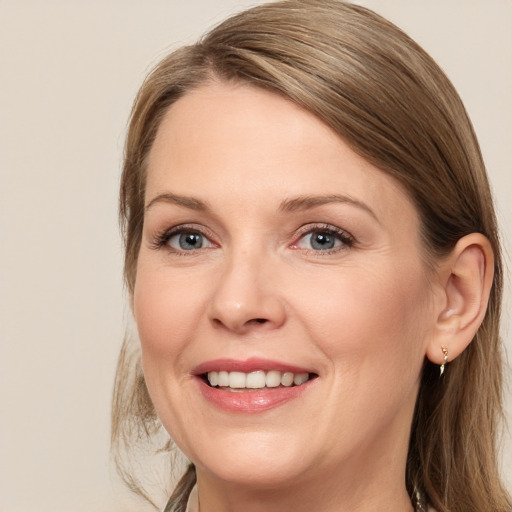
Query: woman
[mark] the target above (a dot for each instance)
(314, 270)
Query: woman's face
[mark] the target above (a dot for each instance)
(273, 253)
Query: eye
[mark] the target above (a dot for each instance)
(183, 239)
(320, 241)
(188, 241)
(324, 239)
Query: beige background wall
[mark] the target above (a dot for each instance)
(68, 72)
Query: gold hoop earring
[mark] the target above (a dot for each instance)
(441, 368)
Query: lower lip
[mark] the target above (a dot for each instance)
(251, 401)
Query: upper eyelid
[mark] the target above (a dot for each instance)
(321, 226)
(191, 227)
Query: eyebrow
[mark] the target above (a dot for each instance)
(187, 202)
(300, 203)
(308, 202)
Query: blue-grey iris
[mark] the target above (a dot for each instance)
(190, 241)
(322, 241)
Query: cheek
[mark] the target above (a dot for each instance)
(371, 317)
(166, 310)
(371, 328)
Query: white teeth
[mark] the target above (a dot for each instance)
(287, 379)
(300, 378)
(256, 380)
(236, 380)
(223, 379)
(273, 379)
(213, 377)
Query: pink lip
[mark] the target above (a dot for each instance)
(253, 401)
(249, 365)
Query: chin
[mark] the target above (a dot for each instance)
(257, 474)
(262, 461)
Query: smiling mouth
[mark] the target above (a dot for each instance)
(232, 381)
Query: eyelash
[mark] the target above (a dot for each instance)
(346, 239)
(161, 239)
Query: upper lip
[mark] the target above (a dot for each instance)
(252, 364)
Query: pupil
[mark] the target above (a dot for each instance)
(190, 241)
(322, 241)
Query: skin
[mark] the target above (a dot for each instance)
(361, 316)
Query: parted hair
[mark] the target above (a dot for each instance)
(385, 97)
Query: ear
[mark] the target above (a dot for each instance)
(465, 280)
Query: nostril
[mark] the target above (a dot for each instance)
(253, 321)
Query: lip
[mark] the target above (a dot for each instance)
(253, 401)
(252, 364)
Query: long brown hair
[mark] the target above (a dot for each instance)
(392, 104)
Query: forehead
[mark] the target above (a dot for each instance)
(235, 140)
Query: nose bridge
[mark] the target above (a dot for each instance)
(246, 296)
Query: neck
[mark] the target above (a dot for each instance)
(330, 492)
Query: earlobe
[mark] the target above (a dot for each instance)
(466, 277)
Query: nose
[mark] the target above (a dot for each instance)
(246, 296)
